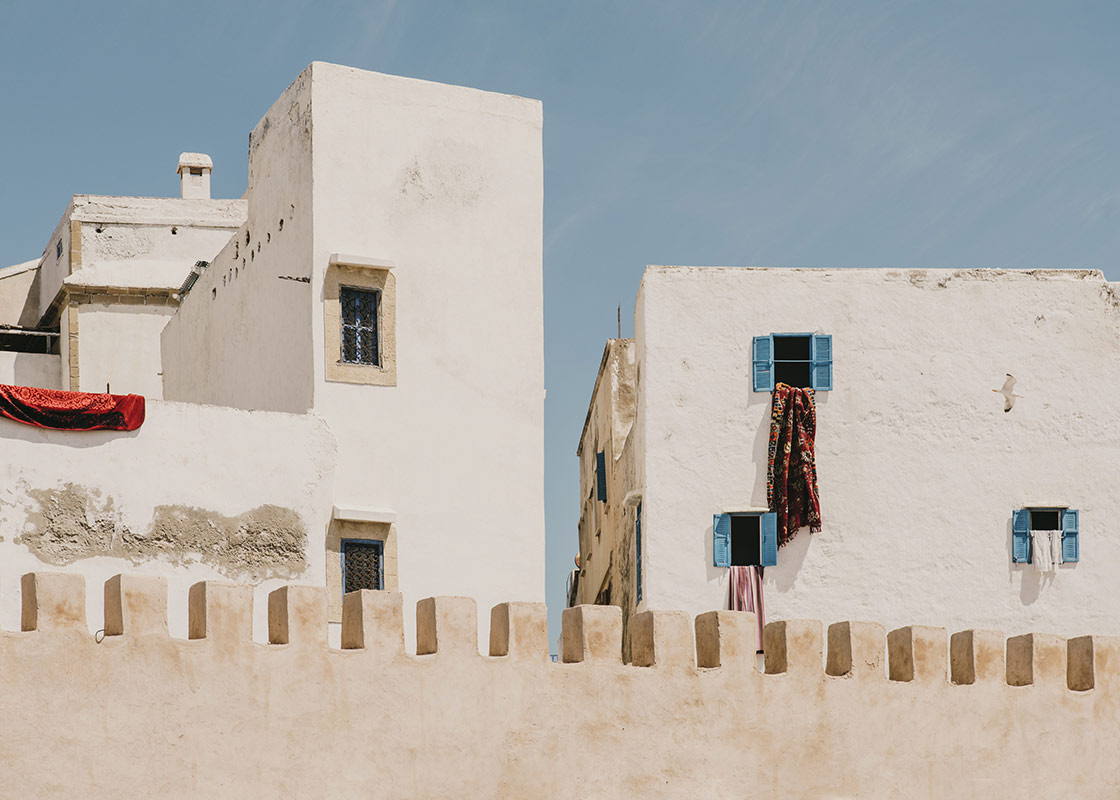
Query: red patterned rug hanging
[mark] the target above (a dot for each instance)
(791, 485)
(71, 411)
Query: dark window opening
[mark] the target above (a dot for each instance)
(1045, 519)
(361, 565)
(58, 249)
(794, 373)
(29, 341)
(746, 540)
(793, 360)
(360, 309)
(792, 348)
(196, 170)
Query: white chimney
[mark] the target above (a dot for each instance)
(194, 175)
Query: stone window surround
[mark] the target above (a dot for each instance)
(360, 272)
(345, 529)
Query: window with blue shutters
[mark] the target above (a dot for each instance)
(762, 351)
(803, 360)
(1063, 521)
(1021, 536)
(601, 475)
(721, 540)
(1071, 548)
(743, 539)
(360, 308)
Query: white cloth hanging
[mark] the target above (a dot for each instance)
(1040, 551)
(1055, 548)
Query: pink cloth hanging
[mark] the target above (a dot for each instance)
(746, 595)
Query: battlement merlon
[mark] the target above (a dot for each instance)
(226, 716)
(447, 627)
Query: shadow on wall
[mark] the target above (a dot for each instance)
(792, 556)
(790, 559)
(37, 369)
(1031, 581)
(10, 429)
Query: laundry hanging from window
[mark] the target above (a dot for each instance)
(746, 595)
(791, 481)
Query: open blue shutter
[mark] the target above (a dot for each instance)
(601, 475)
(1071, 551)
(822, 363)
(768, 528)
(1021, 536)
(721, 540)
(762, 352)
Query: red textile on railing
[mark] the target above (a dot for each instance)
(72, 411)
(791, 485)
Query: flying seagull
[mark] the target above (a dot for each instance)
(1006, 390)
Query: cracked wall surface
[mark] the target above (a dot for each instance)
(71, 523)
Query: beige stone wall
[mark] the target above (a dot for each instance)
(606, 528)
(19, 294)
(135, 712)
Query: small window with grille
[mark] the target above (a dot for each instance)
(360, 309)
(361, 565)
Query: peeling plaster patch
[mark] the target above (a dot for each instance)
(74, 522)
(121, 242)
(1111, 295)
(444, 175)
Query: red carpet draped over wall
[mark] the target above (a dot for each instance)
(72, 411)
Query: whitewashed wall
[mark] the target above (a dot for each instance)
(199, 460)
(121, 229)
(919, 466)
(119, 346)
(19, 295)
(447, 183)
(53, 268)
(30, 369)
(134, 239)
(241, 336)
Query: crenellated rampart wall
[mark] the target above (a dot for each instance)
(853, 711)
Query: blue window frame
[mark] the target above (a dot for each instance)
(1025, 520)
(360, 311)
(362, 565)
(745, 539)
(798, 359)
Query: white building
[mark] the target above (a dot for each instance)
(920, 469)
(355, 346)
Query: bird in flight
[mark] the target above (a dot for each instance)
(1007, 391)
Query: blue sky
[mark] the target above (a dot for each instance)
(782, 134)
